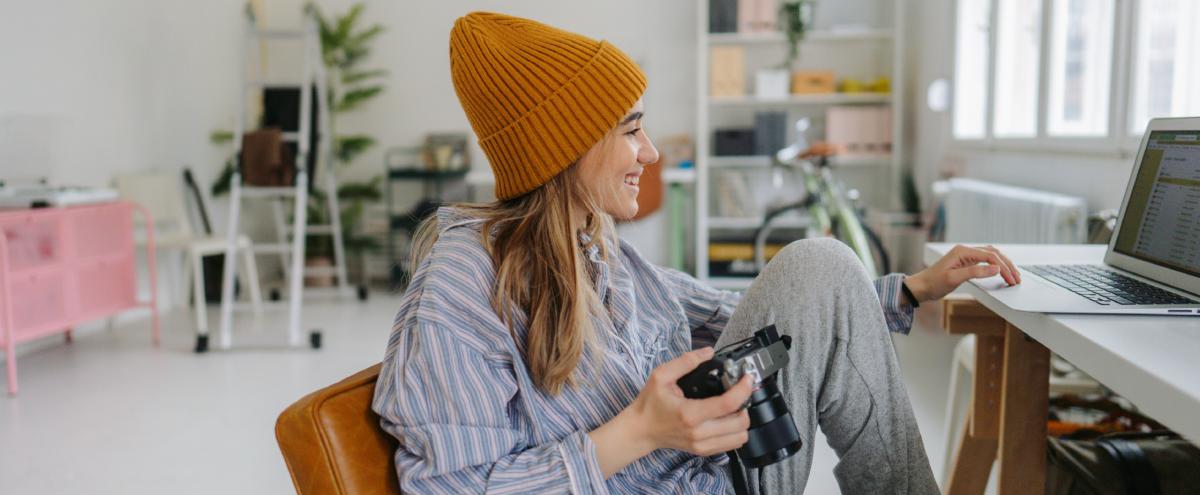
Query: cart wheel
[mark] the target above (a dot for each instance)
(314, 339)
(274, 295)
(362, 293)
(201, 344)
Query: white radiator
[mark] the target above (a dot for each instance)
(987, 212)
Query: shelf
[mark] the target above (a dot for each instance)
(763, 161)
(739, 161)
(815, 99)
(752, 223)
(731, 283)
(814, 36)
(425, 174)
(679, 175)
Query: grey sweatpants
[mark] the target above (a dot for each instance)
(843, 374)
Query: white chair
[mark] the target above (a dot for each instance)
(163, 195)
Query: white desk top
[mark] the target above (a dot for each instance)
(1153, 361)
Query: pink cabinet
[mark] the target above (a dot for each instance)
(60, 267)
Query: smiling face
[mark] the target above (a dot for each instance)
(612, 168)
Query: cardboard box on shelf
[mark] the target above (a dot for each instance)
(860, 131)
(808, 82)
(727, 71)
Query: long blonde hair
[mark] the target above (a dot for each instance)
(541, 269)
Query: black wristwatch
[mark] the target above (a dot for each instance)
(908, 293)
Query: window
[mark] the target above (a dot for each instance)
(1018, 34)
(1047, 73)
(1166, 62)
(971, 68)
(1081, 51)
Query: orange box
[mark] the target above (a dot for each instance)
(806, 82)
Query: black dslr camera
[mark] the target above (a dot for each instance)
(772, 434)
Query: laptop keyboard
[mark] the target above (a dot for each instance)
(1104, 286)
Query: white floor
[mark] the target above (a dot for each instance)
(109, 413)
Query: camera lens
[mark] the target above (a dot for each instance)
(772, 436)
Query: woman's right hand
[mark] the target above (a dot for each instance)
(662, 418)
(700, 426)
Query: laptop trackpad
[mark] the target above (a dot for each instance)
(992, 283)
(1034, 294)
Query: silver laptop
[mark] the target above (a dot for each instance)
(1152, 265)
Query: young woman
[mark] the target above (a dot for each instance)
(534, 352)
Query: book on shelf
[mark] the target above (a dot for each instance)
(722, 16)
(734, 195)
(729, 251)
(770, 132)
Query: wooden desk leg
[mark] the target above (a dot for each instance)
(977, 444)
(1024, 402)
(972, 463)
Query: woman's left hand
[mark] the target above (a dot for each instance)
(960, 264)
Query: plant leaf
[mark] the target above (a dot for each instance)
(359, 244)
(358, 192)
(323, 27)
(363, 37)
(354, 77)
(355, 97)
(345, 24)
(317, 194)
(220, 136)
(349, 147)
(351, 56)
(350, 216)
(221, 186)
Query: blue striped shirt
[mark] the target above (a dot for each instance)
(455, 390)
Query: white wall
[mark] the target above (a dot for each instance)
(93, 89)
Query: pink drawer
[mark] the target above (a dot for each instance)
(38, 300)
(106, 285)
(100, 231)
(33, 240)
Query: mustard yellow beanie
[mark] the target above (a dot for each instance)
(537, 97)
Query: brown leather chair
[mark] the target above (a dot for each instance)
(332, 442)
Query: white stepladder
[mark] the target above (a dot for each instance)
(290, 248)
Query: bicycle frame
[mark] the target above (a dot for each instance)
(830, 214)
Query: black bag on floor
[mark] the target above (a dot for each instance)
(1156, 463)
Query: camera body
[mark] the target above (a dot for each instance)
(772, 434)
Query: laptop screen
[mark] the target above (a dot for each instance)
(1161, 221)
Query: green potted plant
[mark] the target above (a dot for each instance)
(345, 45)
(795, 19)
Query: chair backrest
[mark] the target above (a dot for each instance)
(162, 194)
(332, 442)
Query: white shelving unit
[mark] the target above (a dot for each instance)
(872, 47)
(818, 35)
(795, 100)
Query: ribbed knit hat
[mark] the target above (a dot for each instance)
(537, 97)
